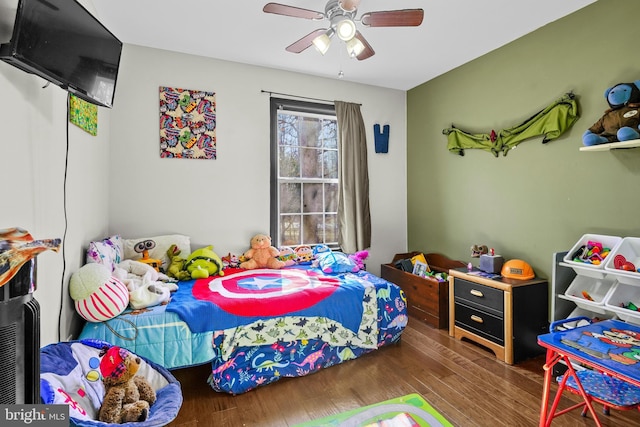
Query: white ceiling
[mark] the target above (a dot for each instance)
(453, 33)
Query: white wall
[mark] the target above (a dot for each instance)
(33, 145)
(224, 202)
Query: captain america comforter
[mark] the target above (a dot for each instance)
(257, 326)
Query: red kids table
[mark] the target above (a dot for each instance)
(611, 349)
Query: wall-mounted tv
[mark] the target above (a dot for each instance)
(62, 42)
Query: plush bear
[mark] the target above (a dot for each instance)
(203, 262)
(621, 121)
(128, 396)
(262, 254)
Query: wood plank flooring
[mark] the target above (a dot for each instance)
(462, 380)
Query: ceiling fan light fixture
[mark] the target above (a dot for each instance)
(346, 29)
(323, 41)
(355, 47)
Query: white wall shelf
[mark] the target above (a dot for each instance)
(612, 145)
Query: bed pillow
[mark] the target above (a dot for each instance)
(107, 252)
(160, 250)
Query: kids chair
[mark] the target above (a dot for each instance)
(70, 374)
(610, 392)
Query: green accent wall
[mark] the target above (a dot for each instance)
(540, 198)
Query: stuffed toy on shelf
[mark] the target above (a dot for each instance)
(621, 122)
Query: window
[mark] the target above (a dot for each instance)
(304, 173)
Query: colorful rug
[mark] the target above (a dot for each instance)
(391, 411)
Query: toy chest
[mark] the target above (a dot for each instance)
(427, 298)
(592, 270)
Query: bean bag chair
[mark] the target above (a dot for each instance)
(70, 374)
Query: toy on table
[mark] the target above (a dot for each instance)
(621, 121)
(128, 396)
(262, 254)
(143, 248)
(477, 250)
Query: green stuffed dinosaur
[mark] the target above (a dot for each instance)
(176, 266)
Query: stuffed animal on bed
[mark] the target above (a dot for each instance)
(128, 396)
(262, 254)
(176, 264)
(621, 122)
(204, 262)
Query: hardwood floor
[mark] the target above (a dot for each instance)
(463, 381)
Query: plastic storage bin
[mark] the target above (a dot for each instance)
(628, 250)
(596, 288)
(621, 295)
(587, 269)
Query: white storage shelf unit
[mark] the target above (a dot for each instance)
(610, 288)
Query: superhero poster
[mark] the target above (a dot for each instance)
(187, 124)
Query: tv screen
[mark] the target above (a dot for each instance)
(62, 42)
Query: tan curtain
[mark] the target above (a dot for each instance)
(354, 218)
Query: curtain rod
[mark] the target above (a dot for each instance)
(296, 96)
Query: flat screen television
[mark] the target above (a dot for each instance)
(62, 42)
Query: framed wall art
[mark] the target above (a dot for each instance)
(187, 124)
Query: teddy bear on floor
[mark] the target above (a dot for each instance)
(262, 254)
(621, 122)
(128, 397)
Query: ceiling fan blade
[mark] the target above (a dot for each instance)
(296, 12)
(305, 42)
(349, 5)
(368, 51)
(393, 18)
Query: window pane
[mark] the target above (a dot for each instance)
(331, 229)
(289, 158)
(290, 230)
(311, 163)
(310, 132)
(312, 229)
(312, 201)
(290, 197)
(331, 198)
(330, 159)
(287, 129)
(329, 134)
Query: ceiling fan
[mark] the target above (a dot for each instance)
(341, 15)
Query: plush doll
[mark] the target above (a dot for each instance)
(358, 258)
(621, 121)
(203, 262)
(128, 396)
(176, 265)
(333, 261)
(262, 254)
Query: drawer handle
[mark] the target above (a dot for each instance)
(476, 293)
(477, 319)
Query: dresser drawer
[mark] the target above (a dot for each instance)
(479, 296)
(479, 322)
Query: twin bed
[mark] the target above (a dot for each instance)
(257, 326)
